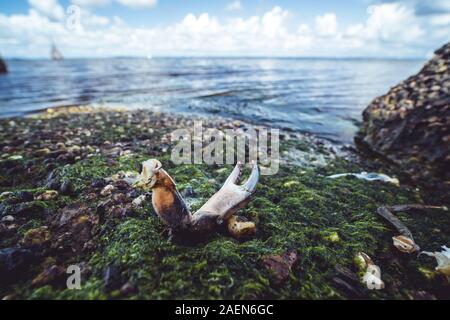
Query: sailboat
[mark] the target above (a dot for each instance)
(3, 67)
(56, 54)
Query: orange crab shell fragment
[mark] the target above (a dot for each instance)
(240, 228)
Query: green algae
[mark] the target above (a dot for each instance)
(326, 221)
(303, 219)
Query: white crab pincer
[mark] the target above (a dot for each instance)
(442, 259)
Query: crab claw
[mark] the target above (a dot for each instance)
(252, 181)
(235, 174)
(231, 197)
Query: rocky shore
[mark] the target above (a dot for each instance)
(410, 125)
(65, 202)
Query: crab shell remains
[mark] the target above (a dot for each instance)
(442, 259)
(147, 177)
(405, 244)
(240, 228)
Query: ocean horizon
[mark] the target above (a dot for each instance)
(319, 95)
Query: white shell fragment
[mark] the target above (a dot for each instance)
(139, 201)
(131, 177)
(371, 176)
(372, 275)
(108, 190)
(372, 278)
(405, 244)
(442, 259)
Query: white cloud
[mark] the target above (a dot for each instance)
(441, 20)
(327, 25)
(234, 6)
(203, 24)
(392, 21)
(136, 4)
(133, 4)
(390, 29)
(49, 8)
(273, 22)
(91, 3)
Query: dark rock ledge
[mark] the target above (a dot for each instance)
(410, 125)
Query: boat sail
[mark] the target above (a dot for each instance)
(3, 67)
(56, 54)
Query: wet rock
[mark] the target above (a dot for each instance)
(6, 194)
(130, 177)
(67, 188)
(74, 236)
(133, 194)
(112, 277)
(29, 210)
(280, 265)
(72, 211)
(188, 192)
(122, 185)
(36, 236)
(103, 207)
(346, 287)
(53, 184)
(9, 164)
(91, 196)
(48, 195)
(4, 209)
(42, 152)
(139, 201)
(55, 154)
(8, 219)
(98, 183)
(423, 295)
(85, 270)
(51, 276)
(127, 289)
(61, 146)
(24, 196)
(108, 190)
(121, 198)
(347, 281)
(120, 211)
(66, 158)
(14, 262)
(409, 126)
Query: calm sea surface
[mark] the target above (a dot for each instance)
(321, 96)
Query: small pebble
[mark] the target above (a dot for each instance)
(139, 201)
(108, 190)
(48, 195)
(8, 219)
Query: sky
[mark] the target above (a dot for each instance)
(152, 28)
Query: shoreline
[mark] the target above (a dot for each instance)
(122, 249)
(207, 118)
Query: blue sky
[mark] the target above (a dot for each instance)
(96, 28)
(168, 11)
